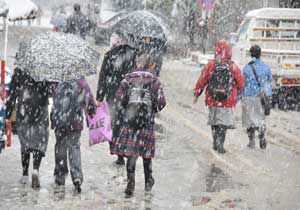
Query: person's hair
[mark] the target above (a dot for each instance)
(120, 34)
(117, 38)
(255, 51)
(143, 60)
(76, 7)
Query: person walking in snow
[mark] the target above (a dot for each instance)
(117, 62)
(222, 80)
(203, 34)
(70, 99)
(191, 27)
(258, 77)
(141, 96)
(32, 120)
(78, 23)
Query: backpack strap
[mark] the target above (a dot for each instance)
(255, 74)
(218, 62)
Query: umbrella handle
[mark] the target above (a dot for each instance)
(3, 96)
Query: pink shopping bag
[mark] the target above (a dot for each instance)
(99, 125)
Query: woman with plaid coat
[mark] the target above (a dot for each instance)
(132, 142)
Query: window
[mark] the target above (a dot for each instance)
(271, 34)
(287, 24)
(285, 29)
(273, 23)
(243, 30)
(260, 23)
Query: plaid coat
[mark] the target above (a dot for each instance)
(141, 142)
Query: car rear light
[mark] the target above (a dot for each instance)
(290, 81)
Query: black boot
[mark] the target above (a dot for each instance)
(149, 180)
(261, 136)
(221, 134)
(149, 183)
(215, 143)
(60, 181)
(215, 139)
(77, 186)
(130, 184)
(120, 161)
(262, 143)
(221, 150)
(251, 136)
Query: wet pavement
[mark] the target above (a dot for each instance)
(188, 173)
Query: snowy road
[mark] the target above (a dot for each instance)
(189, 175)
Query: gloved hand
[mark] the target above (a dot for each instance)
(2, 145)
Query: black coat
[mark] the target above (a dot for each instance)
(78, 24)
(20, 83)
(116, 64)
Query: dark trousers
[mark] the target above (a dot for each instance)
(219, 134)
(131, 163)
(67, 147)
(25, 158)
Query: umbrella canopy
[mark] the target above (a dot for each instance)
(19, 9)
(57, 57)
(142, 24)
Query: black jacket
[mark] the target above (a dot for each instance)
(116, 64)
(20, 83)
(79, 24)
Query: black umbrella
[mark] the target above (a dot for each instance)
(142, 24)
(57, 57)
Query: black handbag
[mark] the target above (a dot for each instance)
(265, 100)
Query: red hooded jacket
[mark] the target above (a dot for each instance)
(222, 52)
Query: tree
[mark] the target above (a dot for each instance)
(289, 3)
(165, 7)
(127, 4)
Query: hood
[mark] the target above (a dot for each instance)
(223, 51)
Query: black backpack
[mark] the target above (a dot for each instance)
(66, 107)
(220, 81)
(139, 107)
(32, 100)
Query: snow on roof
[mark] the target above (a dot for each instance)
(3, 8)
(21, 9)
(275, 13)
